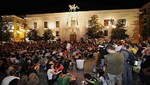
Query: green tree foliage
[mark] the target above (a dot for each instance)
(48, 35)
(32, 35)
(146, 28)
(95, 28)
(119, 32)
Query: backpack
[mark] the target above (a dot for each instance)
(131, 59)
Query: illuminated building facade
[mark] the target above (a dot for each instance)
(65, 24)
(16, 25)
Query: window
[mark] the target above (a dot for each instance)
(105, 32)
(35, 25)
(57, 24)
(57, 33)
(108, 22)
(122, 22)
(45, 25)
(73, 23)
(89, 22)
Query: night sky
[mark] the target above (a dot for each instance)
(23, 7)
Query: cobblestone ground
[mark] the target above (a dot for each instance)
(88, 67)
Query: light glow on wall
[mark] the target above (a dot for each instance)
(113, 26)
(52, 26)
(107, 26)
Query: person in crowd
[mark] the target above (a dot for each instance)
(11, 67)
(59, 67)
(25, 67)
(100, 77)
(43, 62)
(64, 78)
(114, 62)
(66, 63)
(128, 66)
(4, 65)
(12, 78)
(103, 52)
(68, 46)
(77, 56)
(50, 73)
(23, 79)
(145, 67)
(33, 78)
(144, 44)
(14, 60)
(97, 59)
(50, 61)
(88, 80)
(36, 67)
(80, 63)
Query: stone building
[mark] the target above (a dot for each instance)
(16, 25)
(65, 24)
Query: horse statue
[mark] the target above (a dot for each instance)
(73, 7)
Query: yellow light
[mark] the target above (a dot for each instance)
(19, 32)
(22, 30)
(28, 30)
(113, 26)
(107, 26)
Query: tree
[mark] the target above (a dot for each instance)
(6, 35)
(119, 32)
(48, 35)
(136, 31)
(32, 35)
(146, 28)
(95, 28)
(144, 18)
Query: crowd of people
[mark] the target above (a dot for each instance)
(115, 62)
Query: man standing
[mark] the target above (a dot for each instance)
(114, 62)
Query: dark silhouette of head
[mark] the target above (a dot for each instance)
(14, 82)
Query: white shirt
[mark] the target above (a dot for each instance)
(103, 80)
(8, 79)
(49, 74)
(118, 48)
(68, 46)
(47, 54)
(80, 63)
